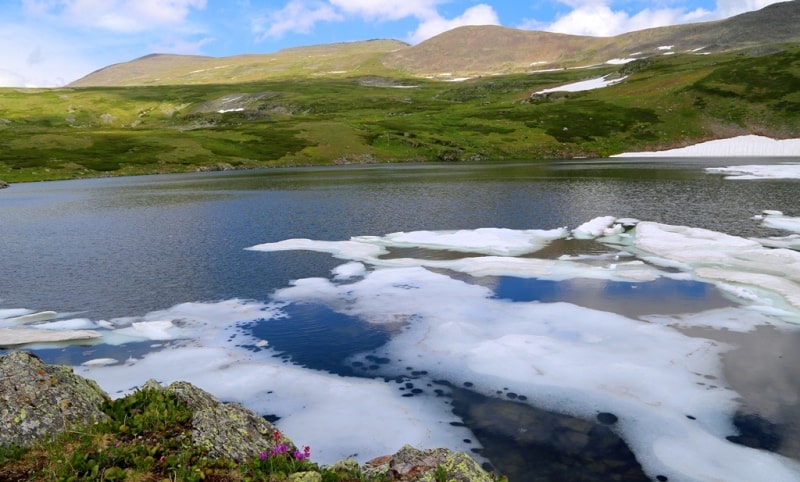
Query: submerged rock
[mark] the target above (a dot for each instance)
(38, 400)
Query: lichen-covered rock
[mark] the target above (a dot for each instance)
(38, 400)
(414, 465)
(305, 477)
(227, 430)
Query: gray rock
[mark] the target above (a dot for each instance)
(3, 184)
(227, 430)
(38, 400)
(413, 465)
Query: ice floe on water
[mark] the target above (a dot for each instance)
(777, 220)
(444, 320)
(772, 171)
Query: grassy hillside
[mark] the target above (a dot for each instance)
(329, 60)
(666, 101)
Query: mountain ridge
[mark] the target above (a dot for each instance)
(461, 52)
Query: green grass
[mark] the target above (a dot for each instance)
(664, 102)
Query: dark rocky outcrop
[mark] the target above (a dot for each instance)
(38, 400)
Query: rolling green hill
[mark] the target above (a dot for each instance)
(371, 113)
(331, 60)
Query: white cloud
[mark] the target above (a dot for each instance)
(116, 15)
(301, 16)
(181, 46)
(297, 16)
(727, 8)
(35, 58)
(601, 17)
(388, 9)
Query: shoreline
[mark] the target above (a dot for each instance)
(743, 146)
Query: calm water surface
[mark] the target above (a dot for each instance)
(107, 248)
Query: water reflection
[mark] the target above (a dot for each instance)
(764, 368)
(535, 445)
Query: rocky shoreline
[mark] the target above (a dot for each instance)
(40, 401)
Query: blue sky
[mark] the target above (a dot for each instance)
(48, 43)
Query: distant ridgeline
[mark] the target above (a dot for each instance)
(463, 51)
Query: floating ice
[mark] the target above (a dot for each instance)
(97, 362)
(602, 226)
(579, 360)
(775, 171)
(722, 258)
(338, 417)
(355, 250)
(349, 270)
(495, 241)
(24, 336)
(33, 317)
(777, 220)
(667, 389)
(11, 313)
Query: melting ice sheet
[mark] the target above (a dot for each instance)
(446, 322)
(570, 358)
(759, 171)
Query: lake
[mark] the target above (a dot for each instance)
(612, 319)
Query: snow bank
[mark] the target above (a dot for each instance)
(742, 146)
(590, 84)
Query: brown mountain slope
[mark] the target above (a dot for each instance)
(490, 49)
(461, 52)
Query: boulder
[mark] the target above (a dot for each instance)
(38, 400)
(226, 430)
(414, 465)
